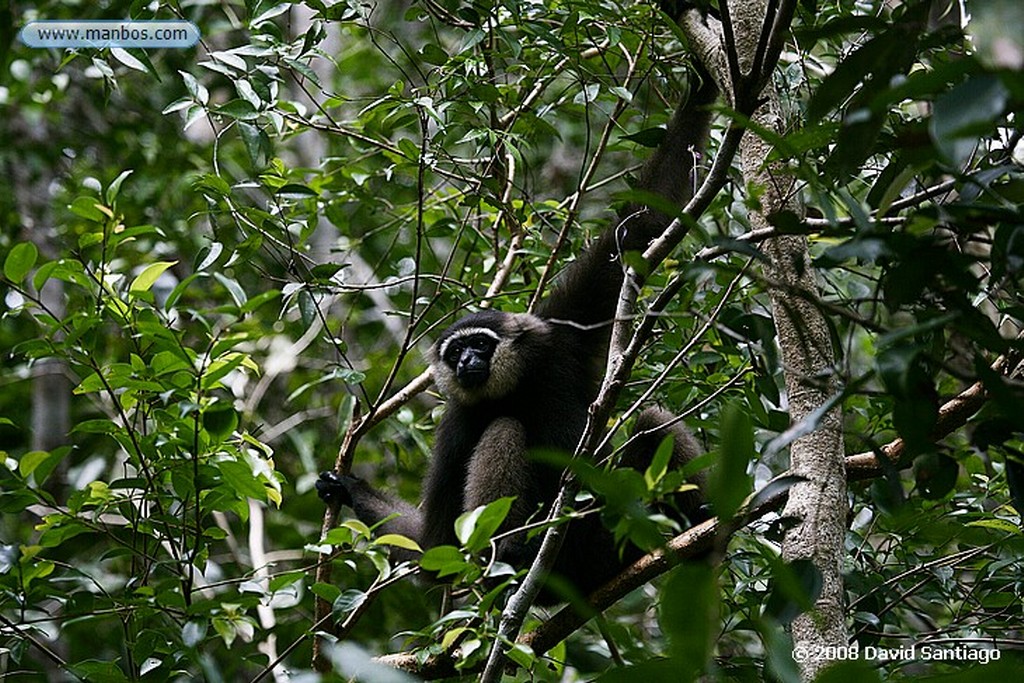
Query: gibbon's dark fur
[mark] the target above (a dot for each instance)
(516, 382)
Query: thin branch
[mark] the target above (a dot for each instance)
(39, 645)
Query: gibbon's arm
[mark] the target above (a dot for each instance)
(370, 505)
(587, 291)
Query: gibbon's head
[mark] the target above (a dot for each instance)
(484, 356)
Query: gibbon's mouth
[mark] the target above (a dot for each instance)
(473, 379)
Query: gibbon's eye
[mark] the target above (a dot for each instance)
(453, 353)
(481, 342)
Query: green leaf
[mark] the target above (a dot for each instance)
(257, 144)
(307, 308)
(869, 66)
(443, 559)
(219, 368)
(144, 280)
(128, 59)
(998, 524)
(62, 531)
(209, 253)
(93, 670)
(659, 464)
(238, 109)
(41, 463)
(164, 362)
(689, 601)
(88, 208)
(235, 289)
(347, 602)
(260, 299)
(728, 481)
(20, 260)
(795, 587)
(326, 591)
(965, 113)
(99, 426)
(115, 186)
(399, 541)
(475, 528)
(296, 191)
(432, 54)
(648, 137)
(409, 149)
(220, 420)
(239, 478)
(522, 655)
(655, 670)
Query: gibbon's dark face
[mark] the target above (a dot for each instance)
(485, 355)
(468, 354)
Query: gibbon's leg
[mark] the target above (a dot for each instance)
(648, 433)
(371, 506)
(499, 468)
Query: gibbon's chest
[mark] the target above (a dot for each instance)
(553, 420)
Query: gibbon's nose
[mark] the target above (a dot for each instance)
(473, 371)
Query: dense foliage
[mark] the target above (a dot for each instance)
(227, 256)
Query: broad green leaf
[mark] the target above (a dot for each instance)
(964, 114)
(659, 464)
(689, 601)
(238, 109)
(209, 254)
(95, 670)
(728, 481)
(795, 587)
(220, 420)
(347, 602)
(235, 289)
(327, 591)
(443, 559)
(144, 280)
(88, 208)
(240, 479)
(30, 461)
(998, 524)
(475, 528)
(399, 541)
(20, 260)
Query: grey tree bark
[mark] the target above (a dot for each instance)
(818, 506)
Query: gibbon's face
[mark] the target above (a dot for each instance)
(483, 356)
(468, 354)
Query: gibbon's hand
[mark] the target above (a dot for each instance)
(334, 488)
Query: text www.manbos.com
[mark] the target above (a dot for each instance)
(107, 34)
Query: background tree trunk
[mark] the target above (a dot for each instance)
(818, 507)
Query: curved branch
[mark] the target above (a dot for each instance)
(953, 414)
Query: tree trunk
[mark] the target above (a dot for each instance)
(818, 506)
